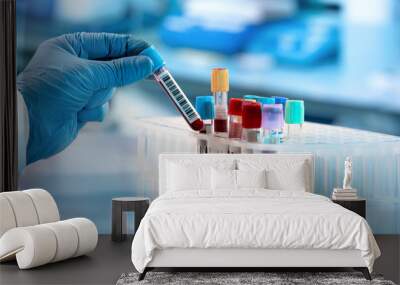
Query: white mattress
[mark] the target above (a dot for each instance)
(257, 219)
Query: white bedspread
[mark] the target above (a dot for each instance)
(250, 219)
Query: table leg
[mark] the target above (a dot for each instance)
(118, 222)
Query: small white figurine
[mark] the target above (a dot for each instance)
(347, 173)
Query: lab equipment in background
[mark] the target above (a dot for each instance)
(235, 118)
(222, 26)
(265, 100)
(251, 122)
(307, 40)
(272, 123)
(205, 107)
(294, 117)
(371, 36)
(282, 101)
(172, 89)
(219, 89)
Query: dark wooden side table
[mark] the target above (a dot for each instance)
(358, 206)
(120, 206)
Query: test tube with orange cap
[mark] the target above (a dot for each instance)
(219, 89)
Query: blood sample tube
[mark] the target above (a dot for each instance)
(282, 101)
(251, 122)
(294, 117)
(235, 118)
(272, 123)
(220, 88)
(172, 89)
(252, 98)
(205, 107)
(265, 100)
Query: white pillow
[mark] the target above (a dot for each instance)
(251, 179)
(223, 179)
(182, 177)
(292, 179)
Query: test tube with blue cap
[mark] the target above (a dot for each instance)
(265, 100)
(251, 98)
(205, 107)
(272, 122)
(282, 101)
(172, 89)
(294, 117)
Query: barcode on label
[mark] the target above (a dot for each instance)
(176, 93)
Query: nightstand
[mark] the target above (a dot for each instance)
(120, 206)
(358, 206)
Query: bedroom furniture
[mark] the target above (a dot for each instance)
(374, 155)
(31, 231)
(358, 206)
(120, 206)
(231, 216)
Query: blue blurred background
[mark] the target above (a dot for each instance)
(341, 57)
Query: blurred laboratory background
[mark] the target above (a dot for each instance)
(341, 57)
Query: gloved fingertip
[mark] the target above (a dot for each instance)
(147, 64)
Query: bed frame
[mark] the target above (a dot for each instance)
(259, 259)
(246, 259)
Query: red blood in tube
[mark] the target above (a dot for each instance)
(197, 125)
(220, 125)
(251, 115)
(235, 107)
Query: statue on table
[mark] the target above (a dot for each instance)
(347, 173)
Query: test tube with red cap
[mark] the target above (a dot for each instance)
(219, 89)
(172, 89)
(251, 122)
(235, 118)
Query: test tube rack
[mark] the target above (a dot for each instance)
(376, 159)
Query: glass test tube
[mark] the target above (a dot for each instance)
(251, 122)
(294, 117)
(235, 118)
(172, 89)
(205, 107)
(219, 89)
(272, 122)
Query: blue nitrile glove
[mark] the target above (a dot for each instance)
(69, 82)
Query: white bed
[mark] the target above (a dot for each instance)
(226, 210)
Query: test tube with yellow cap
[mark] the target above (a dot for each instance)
(219, 89)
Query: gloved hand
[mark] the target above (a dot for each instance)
(69, 82)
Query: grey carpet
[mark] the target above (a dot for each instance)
(269, 278)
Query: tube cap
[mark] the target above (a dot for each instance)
(272, 116)
(205, 107)
(250, 97)
(251, 115)
(294, 112)
(281, 100)
(235, 106)
(219, 80)
(265, 100)
(155, 57)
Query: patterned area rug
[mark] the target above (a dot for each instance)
(243, 278)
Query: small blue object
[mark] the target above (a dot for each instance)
(155, 57)
(205, 107)
(281, 100)
(265, 100)
(251, 97)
